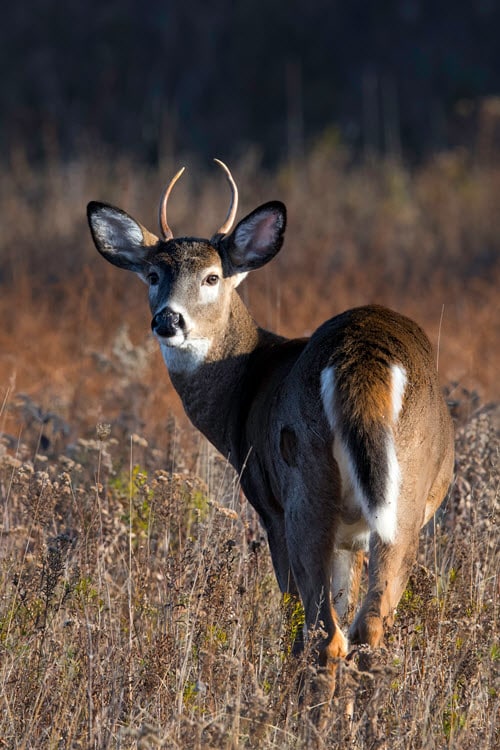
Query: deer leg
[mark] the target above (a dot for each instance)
(276, 536)
(275, 527)
(310, 551)
(388, 571)
(346, 579)
(390, 564)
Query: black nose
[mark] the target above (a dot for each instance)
(167, 323)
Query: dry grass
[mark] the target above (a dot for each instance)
(138, 607)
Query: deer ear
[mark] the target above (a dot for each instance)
(257, 238)
(119, 238)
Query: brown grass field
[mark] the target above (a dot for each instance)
(138, 606)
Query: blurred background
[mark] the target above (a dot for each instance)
(378, 124)
(165, 78)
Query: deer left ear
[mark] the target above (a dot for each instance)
(257, 238)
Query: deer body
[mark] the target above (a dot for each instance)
(343, 441)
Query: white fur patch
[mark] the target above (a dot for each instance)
(328, 394)
(209, 293)
(239, 277)
(384, 519)
(117, 231)
(353, 536)
(185, 357)
(398, 385)
(352, 493)
(386, 516)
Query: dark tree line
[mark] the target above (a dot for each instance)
(214, 76)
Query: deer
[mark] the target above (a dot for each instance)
(342, 441)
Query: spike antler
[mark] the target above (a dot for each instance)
(228, 223)
(231, 215)
(165, 229)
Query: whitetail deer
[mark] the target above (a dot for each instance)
(343, 441)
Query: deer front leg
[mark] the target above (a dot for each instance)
(274, 525)
(310, 545)
(276, 536)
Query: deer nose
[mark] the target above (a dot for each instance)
(167, 323)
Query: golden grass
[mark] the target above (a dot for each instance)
(139, 609)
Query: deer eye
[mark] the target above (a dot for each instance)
(211, 280)
(153, 278)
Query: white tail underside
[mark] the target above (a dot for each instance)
(383, 518)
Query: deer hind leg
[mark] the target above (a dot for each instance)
(390, 564)
(388, 571)
(346, 579)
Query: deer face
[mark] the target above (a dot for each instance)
(189, 297)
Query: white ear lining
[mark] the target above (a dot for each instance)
(238, 278)
(116, 231)
(257, 233)
(244, 234)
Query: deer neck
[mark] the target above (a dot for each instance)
(216, 392)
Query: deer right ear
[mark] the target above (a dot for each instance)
(257, 238)
(119, 238)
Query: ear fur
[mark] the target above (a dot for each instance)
(118, 237)
(256, 239)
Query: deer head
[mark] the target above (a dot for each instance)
(190, 280)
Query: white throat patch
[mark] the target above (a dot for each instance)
(187, 357)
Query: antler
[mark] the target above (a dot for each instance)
(231, 215)
(228, 223)
(165, 229)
